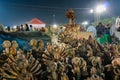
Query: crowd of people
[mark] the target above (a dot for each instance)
(25, 27)
(102, 29)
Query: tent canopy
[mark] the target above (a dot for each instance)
(36, 21)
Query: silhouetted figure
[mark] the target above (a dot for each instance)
(18, 28)
(26, 27)
(42, 29)
(107, 29)
(1, 28)
(8, 28)
(31, 28)
(21, 29)
(100, 29)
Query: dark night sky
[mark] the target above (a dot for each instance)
(15, 12)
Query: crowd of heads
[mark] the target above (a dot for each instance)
(73, 60)
(24, 27)
(103, 29)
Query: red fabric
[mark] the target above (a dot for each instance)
(36, 21)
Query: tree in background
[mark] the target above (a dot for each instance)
(106, 21)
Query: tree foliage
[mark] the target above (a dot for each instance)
(107, 20)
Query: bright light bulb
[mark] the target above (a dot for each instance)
(5, 27)
(15, 27)
(85, 23)
(91, 11)
(55, 26)
(100, 9)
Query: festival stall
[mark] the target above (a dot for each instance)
(36, 23)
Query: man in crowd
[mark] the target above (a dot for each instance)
(1, 28)
(22, 28)
(107, 33)
(26, 27)
(100, 29)
(31, 28)
(117, 23)
(107, 29)
(92, 29)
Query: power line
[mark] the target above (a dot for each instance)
(43, 7)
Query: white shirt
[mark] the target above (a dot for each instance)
(112, 29)
(32, 29)
(117, 23)
(92, 29)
